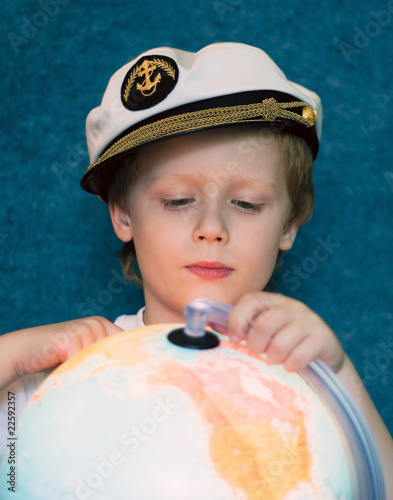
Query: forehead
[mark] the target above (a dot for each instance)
(243, 152)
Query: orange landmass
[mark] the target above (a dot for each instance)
(258, 444)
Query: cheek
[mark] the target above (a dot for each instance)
(261, 257)
(260, 246)
(263, 234)
(155, 243)
(260, 267)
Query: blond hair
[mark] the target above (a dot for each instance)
(295, 155)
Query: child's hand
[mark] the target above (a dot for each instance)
(286, 330)
(36, 349)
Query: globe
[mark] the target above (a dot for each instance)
(136, 417)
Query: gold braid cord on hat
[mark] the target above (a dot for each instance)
(268, 109)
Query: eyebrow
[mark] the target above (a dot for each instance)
(194, 178)
(180, 177)
(251, 181)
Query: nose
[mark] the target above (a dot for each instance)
(211, 226)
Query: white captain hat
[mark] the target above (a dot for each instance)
(167, 92)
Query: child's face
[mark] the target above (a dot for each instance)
(208, 216)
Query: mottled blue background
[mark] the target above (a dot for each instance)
(58, 253)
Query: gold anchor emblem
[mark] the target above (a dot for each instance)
(147, 71)
(152, 89)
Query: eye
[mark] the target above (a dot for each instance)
(246, 206)
(176, 203)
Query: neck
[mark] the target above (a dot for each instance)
(157, 313)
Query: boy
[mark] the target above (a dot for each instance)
(205, 161)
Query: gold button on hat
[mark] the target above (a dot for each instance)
(310, 114)
(166, 92)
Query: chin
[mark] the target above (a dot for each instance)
(211, 292)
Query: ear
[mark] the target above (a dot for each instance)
(121, 223)
(288, 236)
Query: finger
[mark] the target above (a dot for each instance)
(218, 328)
(264, 328)
(101, 327)
(284, 341)
(109, 327)
(302, 355)
(325, 346)
(88, 331)
(267, 325)
(247, 311)
(310, 348)
(80, 342)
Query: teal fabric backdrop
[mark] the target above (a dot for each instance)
(58, 252)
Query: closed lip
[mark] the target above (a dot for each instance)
(210, 270)
(210, 265)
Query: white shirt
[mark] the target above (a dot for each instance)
(24, 387)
